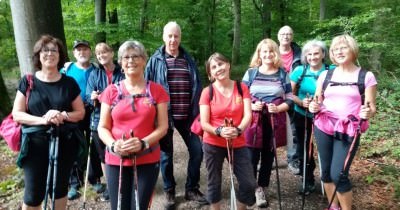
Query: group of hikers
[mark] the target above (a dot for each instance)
(125, 114)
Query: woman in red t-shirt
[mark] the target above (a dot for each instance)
(226, 103)
(133, 118)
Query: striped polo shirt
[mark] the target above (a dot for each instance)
(178, 77)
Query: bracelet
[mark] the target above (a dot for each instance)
(145, 144)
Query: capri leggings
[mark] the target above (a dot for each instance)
(333, 153)
(147, 178)
(36, 163)
(214, 158)
(100, 146)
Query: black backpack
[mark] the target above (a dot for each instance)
(360, 83)
(238, 85)
(303, 74)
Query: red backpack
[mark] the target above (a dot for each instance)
(11, 130)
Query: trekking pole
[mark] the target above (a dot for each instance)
(119, 202)
(319, 157)
(357, 137)
(305, 160)
(55, 164)
(276, 161)
(135, 177)
(50, 167)
(303, 196)
(88, 158)
(228, 123)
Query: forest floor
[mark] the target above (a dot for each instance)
(374, 196)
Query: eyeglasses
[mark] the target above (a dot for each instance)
(47, 50)
(286, 34)
(134, 57)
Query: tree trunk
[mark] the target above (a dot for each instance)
(236, 32)
(211, 28)
(322, 9)
(100, 20)
(143, 17)
(31, 19)
(113, 21)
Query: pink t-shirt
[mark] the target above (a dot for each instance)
(287, 60)
(341, 100)
(221, 107)
(124, 119)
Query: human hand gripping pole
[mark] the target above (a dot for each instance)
(88, 158)
(276, 160)
(357, 137)
(119, 202)
(135, 176)
(306, 159)
(229, 147)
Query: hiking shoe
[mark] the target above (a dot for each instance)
(73, 193)
(261, 200)
(196, 195)
(170, 199)
(309, 188)
(294, 167)
(105, 196)
(99, 187)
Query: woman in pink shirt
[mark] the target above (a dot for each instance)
(226, 103)
(133, 118)
(334, 104)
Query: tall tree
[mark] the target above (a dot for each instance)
(211, 27)
(30, 20)
(143, 17)
(322, 9)
(236, 32)
(100, 20)
(264, 9)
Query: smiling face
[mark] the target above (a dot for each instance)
(172, 39)
(285, 35)
(315, 57)
(104, 56)
(82, 54)
(267, 55)
(342, 54)
(132, 62)
(219, 70)
(49, 56)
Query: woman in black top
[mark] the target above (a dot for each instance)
(54, 101)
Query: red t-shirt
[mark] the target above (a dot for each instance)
(124, 119)
(287, 60)
(221, 108)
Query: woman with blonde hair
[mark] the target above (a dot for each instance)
(271, 94)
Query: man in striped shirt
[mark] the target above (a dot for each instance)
(173, 68)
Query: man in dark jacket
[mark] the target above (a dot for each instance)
(173, 68)
(291, 58)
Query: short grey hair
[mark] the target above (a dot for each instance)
(132, 44)
(172, 24)
(311, 44)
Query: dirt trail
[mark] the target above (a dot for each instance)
(374, 196)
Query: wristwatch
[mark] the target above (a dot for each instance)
(239, 131)
(112, 147)
(145, 144)
(218, 131)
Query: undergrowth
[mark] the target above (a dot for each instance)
(381, 142)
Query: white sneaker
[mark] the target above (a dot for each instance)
(261, 200)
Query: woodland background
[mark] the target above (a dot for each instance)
(232, 27)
